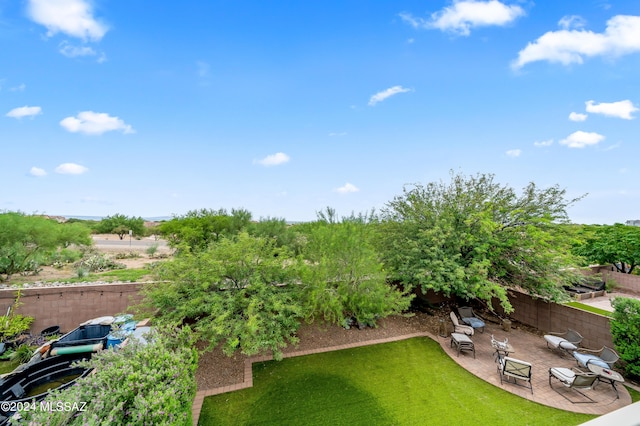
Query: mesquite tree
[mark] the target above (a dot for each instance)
(475, 238)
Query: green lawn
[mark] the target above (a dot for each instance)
(589, 308)
(411, 382)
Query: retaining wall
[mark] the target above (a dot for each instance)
(68, 306)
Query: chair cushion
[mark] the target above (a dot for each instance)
(567, 345)
(565, 375)
(553, 340)
(474, 322)
(584, 359)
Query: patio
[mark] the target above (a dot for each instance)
(533, 349)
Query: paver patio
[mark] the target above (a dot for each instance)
(527, 347)
(533, 349)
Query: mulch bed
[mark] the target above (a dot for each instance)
(215, 369)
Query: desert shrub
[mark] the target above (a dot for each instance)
(98, 263)
(152, 249)
(625, 329)
(140, 384)
(127, 255)
(64, 256)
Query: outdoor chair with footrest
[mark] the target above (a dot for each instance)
(459, 328)
(567, 341)
(470, 318)
(573, 379)
(604, 357)
(519, 370)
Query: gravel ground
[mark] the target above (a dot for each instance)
(216, 369)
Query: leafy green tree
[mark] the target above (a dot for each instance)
(120, 225)
(346, 279)
(625, 330)
(616, 244)
(199, 228)
(475, 238)
(241, 292)
(283, 233)
(24, 239)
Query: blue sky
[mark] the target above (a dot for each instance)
(287, 107)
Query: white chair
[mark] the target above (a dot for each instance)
(459, 328)
(567, 341)
(519, 370)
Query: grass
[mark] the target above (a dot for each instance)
(589, 308)
(402, 383)
(635, 395)
(8, 366)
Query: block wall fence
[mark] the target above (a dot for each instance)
(68, 306)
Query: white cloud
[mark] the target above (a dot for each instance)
(335, 134)
(576, 116)
(18, 88)
(95, 123)
(463, 15)
(71, 169)
(621, 37)
(71, 17)
(274, 159)
(71, 51)
(513, 153)
(347, 189)
(581, 139)
(381, 96)
(572, 21)
(37, 172)
(620, 109)
(25, 111)
(539, 144)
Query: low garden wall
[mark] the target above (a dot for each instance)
(68, 306)
(546, 316)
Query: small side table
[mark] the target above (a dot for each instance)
(502, 350)
(606, 375)
(462, 342)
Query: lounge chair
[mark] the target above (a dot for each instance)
(604, 357)
(470, 318)
(459, 328)
(519, 370)
(567, 341)
(573, 379)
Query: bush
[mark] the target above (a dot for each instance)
(152, 384)
(625, 329)
(98, 263)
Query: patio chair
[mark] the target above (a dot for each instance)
(567, 341)
(573, 379)
(470, 318)
(459, 328)
(519, 370)
(604, 357)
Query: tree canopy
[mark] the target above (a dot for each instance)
(198, 228)
(475, 238)
(120, 225)
(250, 293)
(618, 245)
(24, 237)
